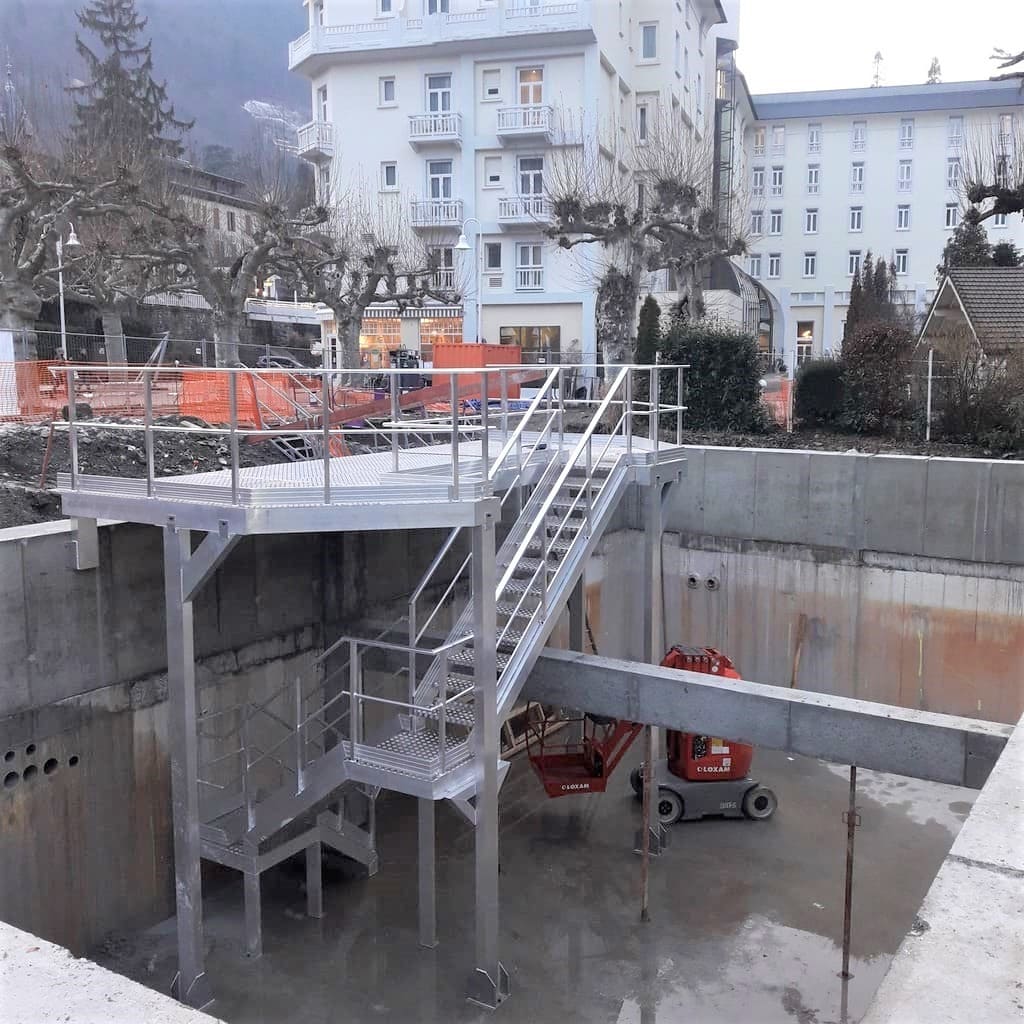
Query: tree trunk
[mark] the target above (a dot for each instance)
(617, 300)
(19, 310)
(113, 336)
(226, 338)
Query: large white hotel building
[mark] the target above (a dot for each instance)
(456, 109)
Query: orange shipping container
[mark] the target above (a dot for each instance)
(461, 356)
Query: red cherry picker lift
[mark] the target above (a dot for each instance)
(701, 775)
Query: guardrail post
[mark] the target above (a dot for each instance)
(561, 408)
(454, 392)
(325, 411)
(627, 406)
(442, 732)
(395, 414)
(504, 404)
(300, 752)
(679, 405)
(148, 432)
(72, 428)
(353, 695)
(485, 462)
(655, 383)
(250, 809)
(233, 418)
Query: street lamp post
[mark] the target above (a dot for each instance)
(463, 246)
(72, 244)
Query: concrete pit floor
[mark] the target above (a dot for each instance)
(746, 917)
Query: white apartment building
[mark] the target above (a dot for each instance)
(456, 109)
(834, 174)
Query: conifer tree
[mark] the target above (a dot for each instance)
(968, 246)
(854, 310)
(122, 108)
(648, 338)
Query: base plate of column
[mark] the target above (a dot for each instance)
(484, 991)
(659, 840)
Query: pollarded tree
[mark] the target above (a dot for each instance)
(366, 252)
(664, 216)
(1006, 254)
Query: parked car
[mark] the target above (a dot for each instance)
(280, 362)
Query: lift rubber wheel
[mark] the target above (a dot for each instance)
(669, 806)
(636, 780)
(759, 802)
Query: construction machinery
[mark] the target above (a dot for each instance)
(701, 776)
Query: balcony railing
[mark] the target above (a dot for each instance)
(444, 279)
(316, 140)
(523, 209)
(493, 21)
(529, 279)
(526, 119)
(436, 213)
(435, 127)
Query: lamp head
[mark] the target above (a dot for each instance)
(462, 245)
(72, 242)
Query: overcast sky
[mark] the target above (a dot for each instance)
(796, 45)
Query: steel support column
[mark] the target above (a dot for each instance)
(191, 984)
(577, 615)
(427, 873)
(489, 983)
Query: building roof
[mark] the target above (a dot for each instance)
(992, 299)
(888, 99)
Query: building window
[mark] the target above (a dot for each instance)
(856, 218)
(318, 12)
(689, 12)
(999, 220)
(216, 219)
(439, 179)
(389, 176)
(814, 138)
(902, 261)
(678, 55)
(438, 331)
(952, 215)
(492, 256)
(444, 267)
(776, 181)
(542, 343)
(531, 86)
(757, 182)
(492, 171)
(1005, 132)
(641, 197)
(641, 122)
(531, 175)
(775, 264)
(1003, 170)
(759, 141)
(529, 267)
(491, 84)
(384, 6)
(378, 336)
(439, 93)
(686, 85)
(810, 264)
(700, 96)
(775, 222)
(907, 133)
(857, 178)
(956, 131)
(386, 93)
(324, 182)
(906, 175)
(859, 137)
(649, 41)
(321, 103)
(754, 264)
(813, 179)
(232, 225)
(903, 218)
(438, 6)
(804, 341)
(853, 262)
(248, 224)
(757, 222)
(953, 172)
(778, 139)
(810, 222)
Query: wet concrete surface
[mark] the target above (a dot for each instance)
(746, 916)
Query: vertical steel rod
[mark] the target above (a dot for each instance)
(851, 825)
(148, 432)
(485, 408)
(72, 428)
(454, 391)
(353, 691)
(653, 398)
(300, 753)
(627, 406)
(645, 839)
(325, 412)
(504, 404)
(679, 405)
(928, 413)
(395, 414)
(233, 417)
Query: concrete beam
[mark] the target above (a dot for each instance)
(919, 744)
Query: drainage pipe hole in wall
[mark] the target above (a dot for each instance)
(30, 750)
(9, 756)
(10, 780)
(30, 773)
(73, 760)
(50, 766)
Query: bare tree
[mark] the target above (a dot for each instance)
(365, 253)
(1005, 59)
(661, 216)
(993, 171)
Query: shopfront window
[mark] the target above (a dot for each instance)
(377, 338)
(438, 331)
(539, 344)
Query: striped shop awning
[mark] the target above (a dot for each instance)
(411, 312)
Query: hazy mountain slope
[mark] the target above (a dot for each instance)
(214, 54)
